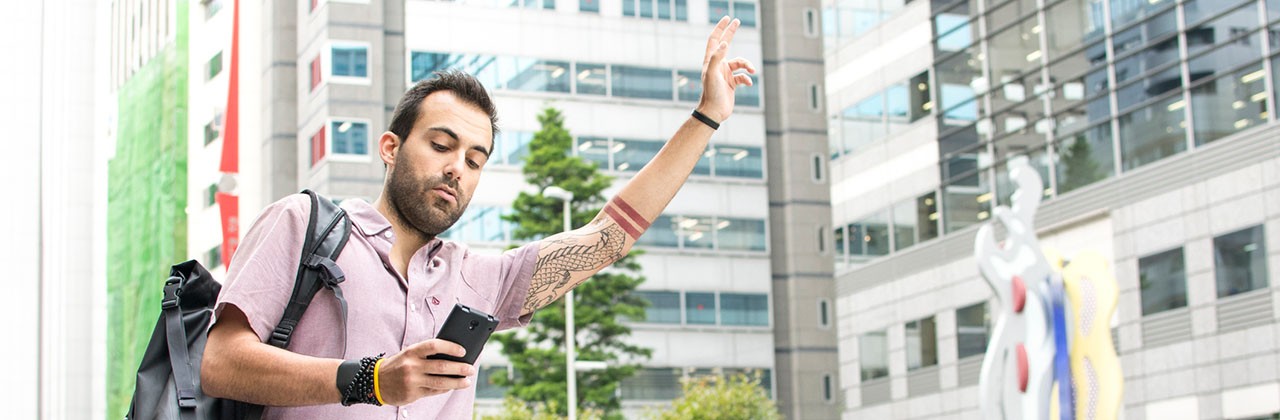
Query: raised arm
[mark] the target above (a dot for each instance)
(567, 259)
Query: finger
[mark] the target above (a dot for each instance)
(437, 346)
(730, 31)
(716, 34)
(435, 382)
(716, 56)
(740, 63)
(742, 79)
(447, 367)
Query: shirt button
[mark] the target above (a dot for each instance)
(404, 412)
(387, 234)
(413, 307)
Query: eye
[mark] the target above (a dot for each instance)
(473, 164)
(439, 147)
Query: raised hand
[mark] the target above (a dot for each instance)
(719, 79)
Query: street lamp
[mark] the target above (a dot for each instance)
(566, 197)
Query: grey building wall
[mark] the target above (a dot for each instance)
(1214, 358)
(278, 138)
(799, 209)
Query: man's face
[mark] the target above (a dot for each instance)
(436, 169)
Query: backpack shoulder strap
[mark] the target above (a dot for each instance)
(328, 229)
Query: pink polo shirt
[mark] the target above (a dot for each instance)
(385, 313)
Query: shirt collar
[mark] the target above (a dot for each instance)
(370, 222)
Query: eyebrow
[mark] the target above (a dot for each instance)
(448, 131)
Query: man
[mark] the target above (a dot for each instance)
(402, 281)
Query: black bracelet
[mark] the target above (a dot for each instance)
(360, 389)
(706, 120)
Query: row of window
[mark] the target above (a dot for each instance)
(629, 155)
(921, 342)
(648, 383)
(1240, 265)
(560, 76)
(484, 224)
(706, 308)
(844, 20)
(882, 114)
(674, 10)
(898, 227)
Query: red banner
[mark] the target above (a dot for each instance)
(231, 122)
(229, 207)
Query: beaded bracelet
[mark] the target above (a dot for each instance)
(362, 389)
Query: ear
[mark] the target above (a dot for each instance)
(388, 146)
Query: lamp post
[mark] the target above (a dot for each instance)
(570, 354)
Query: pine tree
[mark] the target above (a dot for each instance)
(537, 352)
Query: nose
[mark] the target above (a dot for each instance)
(454, 169)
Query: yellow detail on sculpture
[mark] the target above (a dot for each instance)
(1095, 369)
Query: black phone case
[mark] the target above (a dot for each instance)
(468, 327)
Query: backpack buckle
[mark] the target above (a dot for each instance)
(171, 289)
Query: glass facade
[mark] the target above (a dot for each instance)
(706, 308)
(1085, 90)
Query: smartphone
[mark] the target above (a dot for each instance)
(470, 328)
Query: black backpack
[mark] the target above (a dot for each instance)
(168, 385)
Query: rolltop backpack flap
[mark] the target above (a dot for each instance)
(168, 381)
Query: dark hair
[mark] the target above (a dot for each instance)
(464, 86)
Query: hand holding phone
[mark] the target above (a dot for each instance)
(468, 327)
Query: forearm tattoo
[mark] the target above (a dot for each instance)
(573, 253)
(626, 217)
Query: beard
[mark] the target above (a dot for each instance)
(412, 199)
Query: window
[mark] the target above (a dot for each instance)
(211, 8)
(594, 149)
(315, 72)
(700, 308)
(317, 147)
(971, 330)
(822, 239)
(652, 384)
(744, 309)
(214, 66)
(815, 103)
(922, 343)
(631, 155)
(748, 95)
(828, 388)
(482, 224)
(591, 79)
(533, 75)
(1153, 132)
(810, 22)
(664, 307)
(824, 313)
(661, 9)
(213, 257)
(1245, 91)
(350, 61)
(873, 355)
(485, 386)
(662, 233)
(350, 138)
(642, 82)
(211, 195)
(816, 161)
(738, 161)
(740, 234)
(689, 85)
(1084, 158)
(212, 130)
(744, 11)
(589, 6)
(695, 232)
(1240, 261)
(1162, 280)
(511, 147)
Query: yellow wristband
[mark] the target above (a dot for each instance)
(377, 391)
